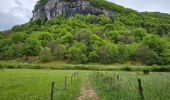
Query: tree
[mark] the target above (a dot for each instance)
(93, 57)
(1, 36)
(31, 48)
(18, 48)
(113, 36)
(102, 19)
(148, 56)
(155, 43)
(77, 53)
(59, 51)
(139, 34)
(18, 37)
(45, 54)
(165, 56)
(107, 53)
(162, 29)
(7, 52)
(45, 38)
(123, 54)
(68, 39)
(125, 37)
(55, 21)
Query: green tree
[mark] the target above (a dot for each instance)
(123, 54)
(31, 48)
(93, 57)
(45, 38)
(45, 54)
(1, 36)
(139, 34)
(18, 48)
(107, 53)
(59, 51)
(18, 37)
(155, 43)
(67, 39)
(7, 52)
(77, 53)
(148, 56)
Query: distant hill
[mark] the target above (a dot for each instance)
(90, 31)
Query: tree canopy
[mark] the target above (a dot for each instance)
(142, 37)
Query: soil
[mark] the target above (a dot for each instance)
(87, 92)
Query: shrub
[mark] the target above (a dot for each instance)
(146, 71)
(126, 69)
(162, 69)
(45, 55)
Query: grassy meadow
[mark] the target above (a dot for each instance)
(34, 63)
(36, 84)
(124, 85)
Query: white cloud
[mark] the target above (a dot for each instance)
(146, 5)
(13, 12)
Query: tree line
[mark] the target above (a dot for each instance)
(89, 38)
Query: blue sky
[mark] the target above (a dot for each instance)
(13, 12)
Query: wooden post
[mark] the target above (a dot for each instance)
(118, 77)
(52, 91)
(74, 75)
(65, 83)
(118, 82)
(71, 77)
(140, 90)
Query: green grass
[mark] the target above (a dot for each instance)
(156, 86)
(29, 84)
(36, 84)
(34, 64)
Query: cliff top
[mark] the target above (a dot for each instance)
(102, 4)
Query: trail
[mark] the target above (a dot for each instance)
(87, 92)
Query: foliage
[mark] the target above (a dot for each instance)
(131, 37)
(116, 85)
(45, 55)
(40, 4)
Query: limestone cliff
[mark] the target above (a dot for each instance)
(68, 8)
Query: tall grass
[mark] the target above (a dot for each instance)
(36, 85)
(124, 85)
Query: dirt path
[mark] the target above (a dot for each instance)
(86, 92)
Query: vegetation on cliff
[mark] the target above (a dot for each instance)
(131, 36)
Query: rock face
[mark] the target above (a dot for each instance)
(68, 8)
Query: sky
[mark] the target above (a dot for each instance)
(14, 12)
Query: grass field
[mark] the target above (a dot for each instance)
(29, 84)
(36, 84)
(62, 65)
(124, 85)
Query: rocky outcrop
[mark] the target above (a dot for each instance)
(68, 8)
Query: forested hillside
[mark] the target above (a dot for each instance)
(138, 37)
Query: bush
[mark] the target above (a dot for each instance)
(45, 55)
(44, 58)
(126, 69)
(1, 67)
(146, 72)
(35, 67)
(162, 69)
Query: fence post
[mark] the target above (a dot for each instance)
(71, 77)
(140, 89)
(74, 74)
(65, 83)
(118, 82)
(52, 91)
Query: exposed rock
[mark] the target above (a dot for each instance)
(68, 8)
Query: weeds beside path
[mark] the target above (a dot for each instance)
(87, 92)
